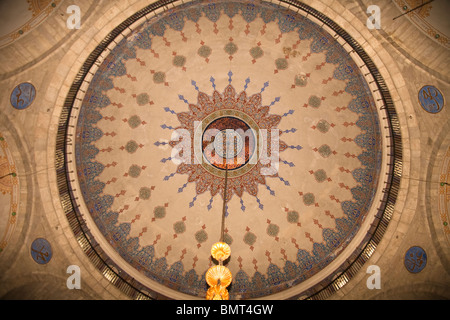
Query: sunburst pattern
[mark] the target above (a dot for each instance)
(241, 106)
(227, 65)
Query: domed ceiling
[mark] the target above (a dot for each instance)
(305, 149)
(429, 16)
(18, 17)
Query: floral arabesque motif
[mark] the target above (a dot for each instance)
(232, 101)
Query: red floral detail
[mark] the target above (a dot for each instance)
(206, 105)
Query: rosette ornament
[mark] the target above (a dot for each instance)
(218, 275)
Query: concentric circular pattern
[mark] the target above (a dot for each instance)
(308, 172)
(228, 142)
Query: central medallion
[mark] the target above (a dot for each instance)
(228, 141)
(229, 137)
(228, 144)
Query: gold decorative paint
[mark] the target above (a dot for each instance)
(220, 251)
(218, 275)
(217, 293)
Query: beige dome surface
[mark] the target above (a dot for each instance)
(296, 216)
(19, 17)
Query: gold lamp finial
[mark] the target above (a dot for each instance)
(219, 277)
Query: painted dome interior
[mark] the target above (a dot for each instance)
(304, 181)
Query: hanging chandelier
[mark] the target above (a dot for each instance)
(219, 277)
